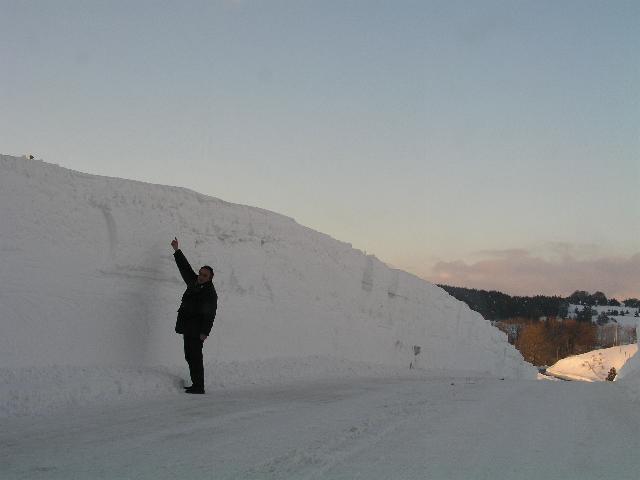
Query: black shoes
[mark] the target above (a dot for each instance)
(194, 389)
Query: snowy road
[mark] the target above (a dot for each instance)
(370, 429)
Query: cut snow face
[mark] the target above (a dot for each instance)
(593, 366)
(89, 281)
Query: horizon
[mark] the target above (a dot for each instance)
(564, 297)
(490, 145)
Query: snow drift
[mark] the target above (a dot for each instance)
(89, 281)
(593, 366)
(629, 374)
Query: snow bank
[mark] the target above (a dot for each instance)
(629, 375)
(42, 390)
(89, 282)
(593, 366)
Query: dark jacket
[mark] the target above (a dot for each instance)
(199, 302)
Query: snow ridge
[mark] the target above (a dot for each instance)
(89, 281)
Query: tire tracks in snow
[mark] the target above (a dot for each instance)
(314, 460)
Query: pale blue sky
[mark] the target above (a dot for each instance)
(437, 135)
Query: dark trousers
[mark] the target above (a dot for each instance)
(193, 356)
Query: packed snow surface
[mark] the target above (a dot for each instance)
(593, 366)
(437, 428)
(90, 292)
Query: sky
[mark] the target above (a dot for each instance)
(488, 144)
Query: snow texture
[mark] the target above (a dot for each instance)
(629, 374)
(439, 428)
(90, 293)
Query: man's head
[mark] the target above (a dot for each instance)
(205, 274)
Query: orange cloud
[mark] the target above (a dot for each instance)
(517, 272)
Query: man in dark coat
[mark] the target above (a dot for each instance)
(195, 315)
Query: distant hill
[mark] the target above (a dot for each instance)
(494, 305)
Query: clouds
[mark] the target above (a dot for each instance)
(521, 272)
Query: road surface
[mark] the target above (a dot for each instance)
(439, 428)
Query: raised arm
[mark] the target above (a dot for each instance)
(188, 275)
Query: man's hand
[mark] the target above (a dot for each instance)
(203, 337)
(174, 243)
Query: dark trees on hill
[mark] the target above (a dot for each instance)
(585, 314)
(580, 297)
(631, 302)
(599, 298)
(494, 305)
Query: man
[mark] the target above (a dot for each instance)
(195, 315)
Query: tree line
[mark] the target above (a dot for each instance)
(494, 305)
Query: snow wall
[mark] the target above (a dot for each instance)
(89, 280)
(629, 374)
